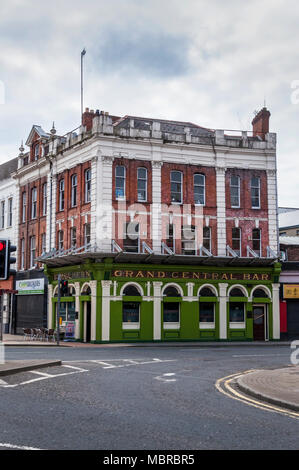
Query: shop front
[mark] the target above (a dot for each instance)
(115, 302)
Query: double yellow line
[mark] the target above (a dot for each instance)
(223, 385)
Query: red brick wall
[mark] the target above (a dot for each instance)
(76, 212)
(245, 210)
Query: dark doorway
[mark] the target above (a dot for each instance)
(259, 323)
(293, 319)
(88, 322)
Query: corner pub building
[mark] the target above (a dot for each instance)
(179, 238)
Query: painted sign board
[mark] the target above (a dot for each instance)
(30, 286)
(291, 291)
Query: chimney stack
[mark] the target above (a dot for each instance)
(87, 118)
(260, 124)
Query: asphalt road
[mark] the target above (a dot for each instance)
(139, 398)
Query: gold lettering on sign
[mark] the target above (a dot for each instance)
(215, 276)
(265, 277)
(161, 274)
(255, 277)
(246, 277)
(205, 276)
(150, 274)
(232, 277)
(129, 274)
(186, 275)
(224, 276)
(139, 274)
(175, 275)
(117, 273)
(196, 276)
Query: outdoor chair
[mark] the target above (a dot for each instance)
(50, 334)
(27, 333)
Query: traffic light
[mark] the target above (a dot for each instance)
(3, 259)
(64, 288)
(6, 259)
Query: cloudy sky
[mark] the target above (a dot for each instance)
(206, 61)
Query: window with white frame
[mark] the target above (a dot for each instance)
(188, 240)
(170, 240)
(61, 195)
(206, 238)
(120, 182)
(199, 189)
(32, 251)
(2, 214)
(9, 212)
(74, 182)
(60, 244)
(24, 203)
(36, 152)
(236, 240)
(33, 203)
(86, 234)
(131, 237)
(207, 312)
(176, 187)
(235, 191)
(87, 190)
(44, 246)
(255, 192)
(131, 313)
(73, 233)
(142, 184)
(45, 198)
(22, 253)
(256, 241)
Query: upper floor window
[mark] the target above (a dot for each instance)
(60, 240)
(142, 184)
(86, 234)
(23, 207)
(206, 239)
(120, 182)
(9, 212)
(22, 253)
(74, 182)
(170, 240)
(176, 186)
(255, 192)
(199, 189)
(32, 251)
(61, 195)
(73, 238)
(87, 185)
(131, 237)
(36, 152)
(2, 215)
(44, 246)
(33, 203)
(188, 240)
(256, 241)
(235, 191)
(45, 199)
(236, 241)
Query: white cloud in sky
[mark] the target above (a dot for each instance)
(209, 62)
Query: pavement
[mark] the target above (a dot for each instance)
(14, 367)
(279, 387)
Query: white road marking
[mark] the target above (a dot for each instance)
(164, 377)
(2, 382)
(12, 446)
(124, 362)
(45, 376)
(259, 355)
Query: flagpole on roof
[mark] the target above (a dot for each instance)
(82, 55)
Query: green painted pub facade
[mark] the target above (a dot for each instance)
(112, 301)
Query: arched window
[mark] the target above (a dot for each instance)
(206, 292)
(86, 291)
(199, 189)
(171, 291)
(259, 293)
(131, 291)
(120, 182)
(236, 292)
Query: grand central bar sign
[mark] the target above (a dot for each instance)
(191, 275)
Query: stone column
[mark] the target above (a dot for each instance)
(106, 285)
(156, 206)
(95, 188)
(222, 311)
(77, 309)
(276, 311)
(104, 213)
(50, 306)
(93, 287)
(272, 210)
(157, 310)
(221, 220)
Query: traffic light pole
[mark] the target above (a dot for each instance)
(1, 317)
(58, 310)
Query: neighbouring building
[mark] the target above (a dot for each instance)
(8, 230)
(165, 230)
(289, 222)
(289, 287)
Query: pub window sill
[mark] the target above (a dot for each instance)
(237, 325)
(171, 326)
(131, 326)
(207, 326)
